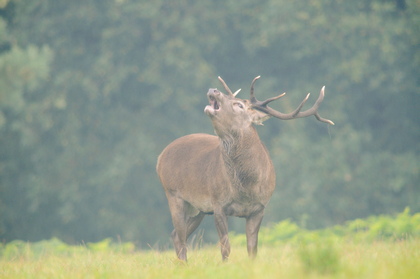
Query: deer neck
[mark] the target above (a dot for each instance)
(242, 153)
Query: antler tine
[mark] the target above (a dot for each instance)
(252, 97)
(236, 92)
(317, 103)
(269, 100)
(262, 106)
(297, 110)
(255, 101)
(227, 87)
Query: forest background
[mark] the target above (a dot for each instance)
(92, 91)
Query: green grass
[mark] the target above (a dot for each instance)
(375, 247)
(338, 259)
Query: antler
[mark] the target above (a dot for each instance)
(263, 106)
(227, 88)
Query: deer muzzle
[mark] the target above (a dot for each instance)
(214, 96)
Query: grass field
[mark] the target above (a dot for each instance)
(375, 247)
(342, 259)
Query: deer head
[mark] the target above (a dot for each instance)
(230, 113)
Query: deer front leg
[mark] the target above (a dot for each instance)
(222, 229)
(253, 224)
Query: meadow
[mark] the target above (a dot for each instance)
(360, 249)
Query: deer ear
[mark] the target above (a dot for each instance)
(258, 117)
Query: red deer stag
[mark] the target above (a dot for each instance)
(230, 174)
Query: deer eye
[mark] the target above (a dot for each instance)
(239, 105)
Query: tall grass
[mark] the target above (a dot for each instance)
(286, 251)
(345, 260)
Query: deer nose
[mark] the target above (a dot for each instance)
(213, 91)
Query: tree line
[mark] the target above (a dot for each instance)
(92, 91)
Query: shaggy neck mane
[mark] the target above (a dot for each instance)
(239, 151)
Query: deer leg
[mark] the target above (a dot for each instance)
(194, 222)
(222, 229)
(179, 234)
(253, 224)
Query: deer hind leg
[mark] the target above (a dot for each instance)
(179, 220)
(194, 222)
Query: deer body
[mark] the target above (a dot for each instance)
(230, 174)
(209, 179)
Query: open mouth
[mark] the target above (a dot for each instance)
(214, 97)
(214, 103)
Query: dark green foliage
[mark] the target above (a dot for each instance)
(91, 92)
(375, 228)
